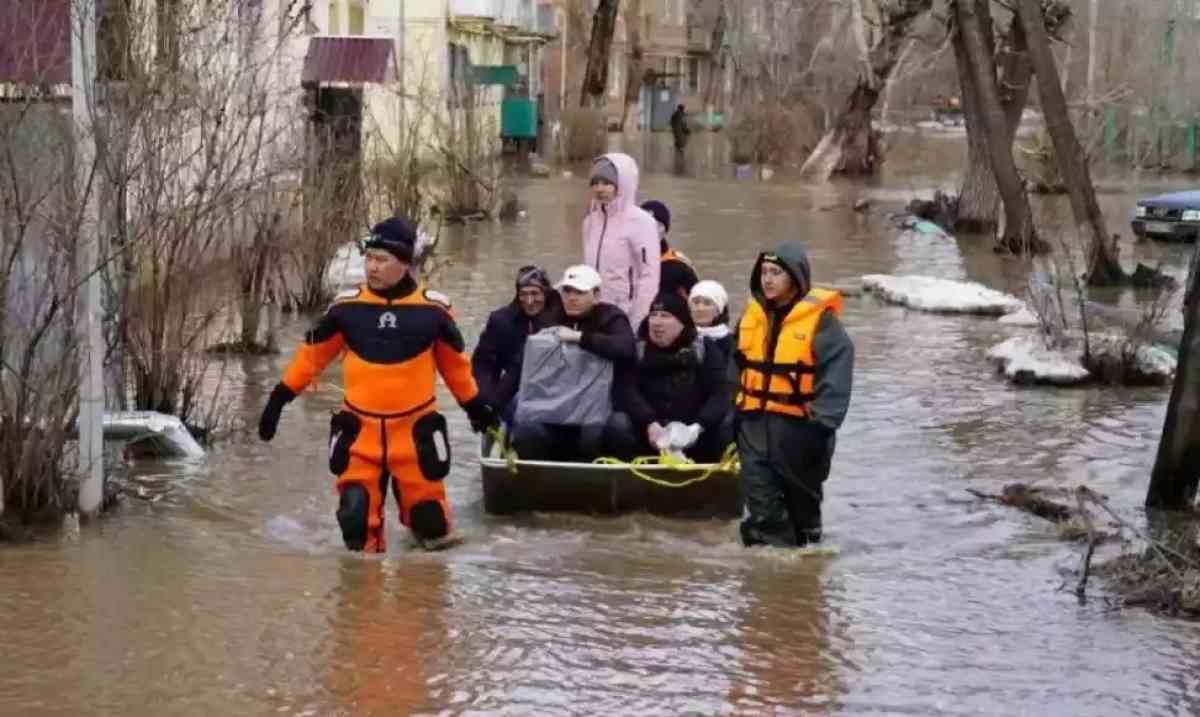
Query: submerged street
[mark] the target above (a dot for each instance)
(232, 593)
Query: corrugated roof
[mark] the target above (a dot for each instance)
(348, 59)
(35, 41)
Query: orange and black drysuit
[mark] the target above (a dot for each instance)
(795, 368)
(389, 430)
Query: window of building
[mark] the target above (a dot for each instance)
(333, 18)
(358, 20)
(693, 75)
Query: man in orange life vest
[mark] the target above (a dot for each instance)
(796, 365)
(395, 335)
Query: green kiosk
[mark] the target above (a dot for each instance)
(518, 111)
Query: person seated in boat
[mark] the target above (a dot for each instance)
(676, 273)
(597, 327)
(709, 306)
(679, 377)
(496, 362)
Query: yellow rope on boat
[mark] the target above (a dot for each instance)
(727, 464)
(507, 452)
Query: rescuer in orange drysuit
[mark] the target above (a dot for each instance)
(395, 335)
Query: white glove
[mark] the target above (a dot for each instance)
(680, 436)
(659, 438)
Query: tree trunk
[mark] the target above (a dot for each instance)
(979, 197)
(1177, 467)
(851, 146)
(595, 78)
(1103, 267)
(992, 118)
(633, 64)
(716, 71)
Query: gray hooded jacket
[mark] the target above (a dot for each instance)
(832, 347)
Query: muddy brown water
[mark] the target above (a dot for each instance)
(231, 594)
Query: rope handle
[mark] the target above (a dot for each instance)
(728, 463)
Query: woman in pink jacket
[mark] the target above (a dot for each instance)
(620, 239)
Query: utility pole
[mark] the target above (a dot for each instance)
(91, 378)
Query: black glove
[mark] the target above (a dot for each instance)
(480, 413)
(280, 397)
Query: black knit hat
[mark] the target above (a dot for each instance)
(675, 305)
(659, 211)
(395, 236)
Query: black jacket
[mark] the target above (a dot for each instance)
(674, 384)
(606, 332)
(496, 362)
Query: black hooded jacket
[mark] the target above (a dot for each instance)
(496, 362)
(605, 330)
(675, 384)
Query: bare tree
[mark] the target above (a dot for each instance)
(634, 79)
(851, 146)
(595, 80)
(973, 25)
(1175, 475)
(1103, 266)
(38, 348)
(717, 71)
(979, 197)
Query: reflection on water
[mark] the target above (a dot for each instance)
(231, 594)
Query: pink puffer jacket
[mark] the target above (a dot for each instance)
(621, 242)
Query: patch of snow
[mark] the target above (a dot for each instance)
(1020, 317)
(926, 293)
(348, 268)
(1026, 360)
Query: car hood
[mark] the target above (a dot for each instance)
(1174, 200)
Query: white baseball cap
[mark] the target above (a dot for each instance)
(580, 277)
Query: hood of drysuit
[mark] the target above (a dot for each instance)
(627, 184)
(792, 257)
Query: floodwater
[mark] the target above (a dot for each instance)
(231, 594)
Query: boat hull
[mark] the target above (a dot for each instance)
(546, 486)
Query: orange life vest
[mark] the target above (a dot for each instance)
(785, 381)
